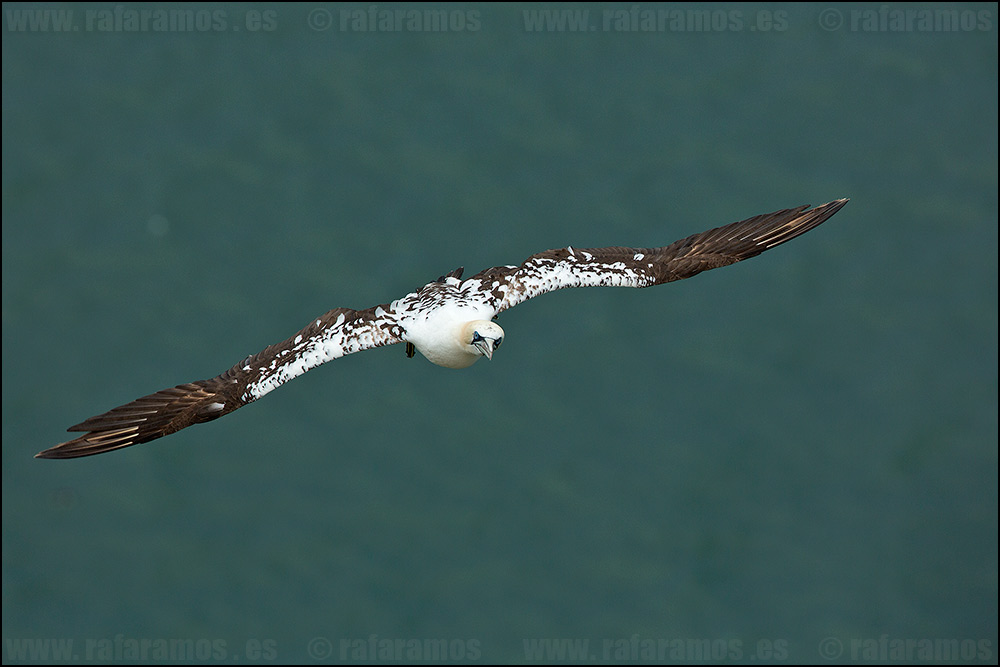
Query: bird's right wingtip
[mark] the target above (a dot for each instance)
(52, 453)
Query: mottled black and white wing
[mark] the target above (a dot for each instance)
(507, 286)
(337, 333)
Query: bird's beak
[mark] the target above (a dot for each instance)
(486, 347)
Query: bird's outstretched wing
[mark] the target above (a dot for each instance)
(337, 333)
(507, 286)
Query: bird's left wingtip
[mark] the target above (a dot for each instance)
(832, 207)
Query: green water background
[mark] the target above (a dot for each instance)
(797, 449)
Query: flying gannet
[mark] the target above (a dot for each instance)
(449, 320)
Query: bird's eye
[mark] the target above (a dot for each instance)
(476, 337)
(497, 342)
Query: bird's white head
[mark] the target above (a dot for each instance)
(482, 337)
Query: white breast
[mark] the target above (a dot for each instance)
(437, 333)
